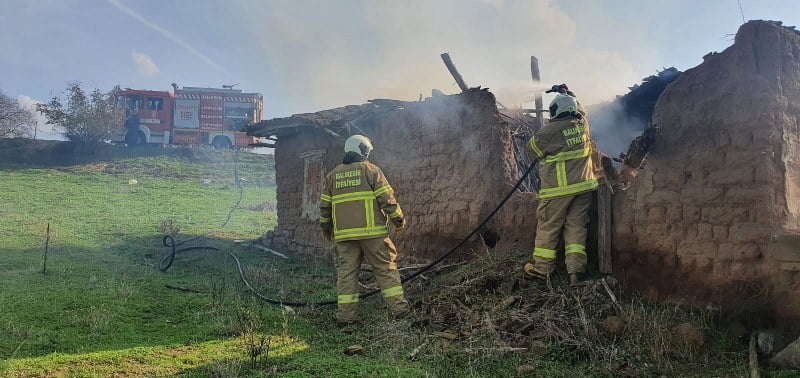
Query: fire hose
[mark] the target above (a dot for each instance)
(168, 241)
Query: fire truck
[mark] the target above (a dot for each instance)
(188, 115)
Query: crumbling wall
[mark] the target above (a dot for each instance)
(701, 219)
(450, 160)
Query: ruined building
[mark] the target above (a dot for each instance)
(712, 217)
(450, 160)
(714, 214)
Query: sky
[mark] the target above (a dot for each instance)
(305, 55)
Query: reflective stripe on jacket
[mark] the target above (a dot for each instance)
(565, 164)
(356, 202)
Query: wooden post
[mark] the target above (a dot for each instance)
(453, 71)
(604, 229)
(46, 249)
(755, 370)
(538, 95)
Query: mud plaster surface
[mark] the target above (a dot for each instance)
(701, 221)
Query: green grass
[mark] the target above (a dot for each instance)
(104, 309)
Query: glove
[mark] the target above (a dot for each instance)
(327, 235)
(400, 226)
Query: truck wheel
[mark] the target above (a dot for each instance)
(221, 142)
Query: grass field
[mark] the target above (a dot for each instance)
(104, 309)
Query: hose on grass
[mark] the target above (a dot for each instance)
(169, 242)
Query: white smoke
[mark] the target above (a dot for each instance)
(144, 64)
(346, 53)
(43, 130)
(612, 128)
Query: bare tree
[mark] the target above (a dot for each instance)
(16, 120)
(87, 117)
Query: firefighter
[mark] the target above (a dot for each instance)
(567, 180)
(356, 207)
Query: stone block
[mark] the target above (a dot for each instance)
(767, 174)
(662, 197)
(656, 214)
(640, 215)
(693, 247)
(749, 232)
(657, 229)
(704, 194)
(731, 176)
(724, 214)
(704, 231)
(763, 136)
(673, 214)
(762, 215)
(746, 195)
(739, 252)
(690, 231)
(691, 214)
(741, 139)
(719, 232)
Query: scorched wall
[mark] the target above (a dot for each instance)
(706, 218)
(450, 160)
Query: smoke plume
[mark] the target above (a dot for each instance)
(399, 43)
(614, 124)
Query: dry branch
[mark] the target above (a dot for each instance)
(611, 294)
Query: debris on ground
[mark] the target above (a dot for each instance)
(613, 325)
(481, 308)
(525, 370)
(354, 350)
(789, 357)
(691, 334)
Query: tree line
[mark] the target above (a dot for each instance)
(80, 115)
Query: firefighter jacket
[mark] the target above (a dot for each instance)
(356, 202)
(564, 151)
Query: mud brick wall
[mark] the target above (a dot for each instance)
(450, 160)
(704, 218)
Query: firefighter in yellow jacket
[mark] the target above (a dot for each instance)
(567, 179)
(355, 205)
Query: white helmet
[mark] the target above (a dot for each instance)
(358, 144)
(563, 103)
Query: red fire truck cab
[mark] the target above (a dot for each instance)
(148, 117)
(189, 116)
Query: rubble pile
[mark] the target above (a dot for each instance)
(483, 307)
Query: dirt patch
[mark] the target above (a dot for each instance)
(268, 206)
(88, 168)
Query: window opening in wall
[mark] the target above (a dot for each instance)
(313, 179)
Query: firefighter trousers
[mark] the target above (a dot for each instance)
(570, 214)
(381, 254)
